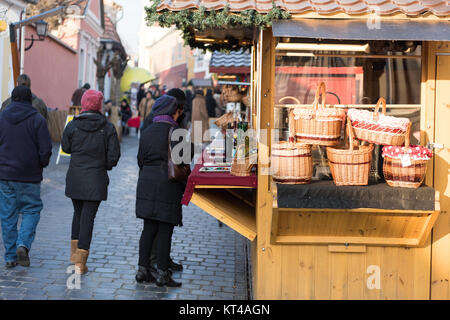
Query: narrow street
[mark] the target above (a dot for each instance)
(213, 257)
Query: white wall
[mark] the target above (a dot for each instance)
(9, 12)
(202, 62)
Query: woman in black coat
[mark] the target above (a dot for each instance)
(158, 200)
(210, 104)
(94, 147)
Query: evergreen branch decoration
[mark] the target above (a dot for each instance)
(189, 21)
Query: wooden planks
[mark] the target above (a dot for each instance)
(380, 227)
(233, 212)
(440, 287)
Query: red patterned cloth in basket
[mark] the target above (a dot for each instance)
(415, 152)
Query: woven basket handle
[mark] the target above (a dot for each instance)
(407, 140)
(377, 107)
(291, 126)
(321, 91)
(289, 97)
(350, 133)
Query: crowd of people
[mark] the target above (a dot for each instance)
(92, 141)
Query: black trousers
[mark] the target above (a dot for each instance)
(154, 254)
(83, 221)
(162, 232)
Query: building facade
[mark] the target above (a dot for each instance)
(10, 11)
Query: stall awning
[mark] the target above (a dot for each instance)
(406, 30)
(201, 82)
(235, 62)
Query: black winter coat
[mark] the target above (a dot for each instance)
(25, 144)
(157, 198)
(94, 147)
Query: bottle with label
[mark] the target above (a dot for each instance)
(228, 150)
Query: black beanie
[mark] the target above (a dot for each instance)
(22, 94)
(178, 94)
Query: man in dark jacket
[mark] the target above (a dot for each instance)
(78, 94)
(25, 149)
(24, 80)
(94, 147)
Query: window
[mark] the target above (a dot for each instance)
(353, 80)
(81, 67)
(180, 50)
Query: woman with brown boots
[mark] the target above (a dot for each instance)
(94, 147)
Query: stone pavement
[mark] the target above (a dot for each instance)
(213, 257)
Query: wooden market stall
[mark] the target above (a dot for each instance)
(350, 242)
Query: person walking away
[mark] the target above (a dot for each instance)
(199, 113)
(219, 106)
(25, 149)
(140, 94)
(125, 111)
(145, 107)
(94, 147)
(188, 109)
(158, 200)
(38, 103)
(210, 104)
(78, 94)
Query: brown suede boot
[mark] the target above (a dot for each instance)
(73, 249)
(81, 256)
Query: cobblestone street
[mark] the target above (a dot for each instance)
(214, 258)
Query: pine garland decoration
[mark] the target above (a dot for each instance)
(191, 20)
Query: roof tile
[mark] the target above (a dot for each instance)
(439, 8)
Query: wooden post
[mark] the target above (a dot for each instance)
(268, 259)
(439, 55)
(14, 52)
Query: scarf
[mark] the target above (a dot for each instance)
(167, 119)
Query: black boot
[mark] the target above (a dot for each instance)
(144, 275)
(175, 266)
(164, 279)
(22, 257)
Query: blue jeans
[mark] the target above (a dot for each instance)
(15, 198)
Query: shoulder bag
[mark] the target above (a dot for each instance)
(177, 172)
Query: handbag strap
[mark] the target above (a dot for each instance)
(169, 140)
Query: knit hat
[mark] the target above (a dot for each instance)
(165, 105)
(22, 94)
(178, 94)
(92, 101)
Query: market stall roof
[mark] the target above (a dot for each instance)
(361, 30)
(200, 82)
(131, 75)
(235, 62)
(440, 8)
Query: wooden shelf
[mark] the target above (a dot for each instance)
(361, 226)
(228, 207)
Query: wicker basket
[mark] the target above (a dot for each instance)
(350, 167)
(291, 163)
(318, 125)
(398, 175)
(224, 120)
(378, 134)
(231, 94)
(243, 167)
